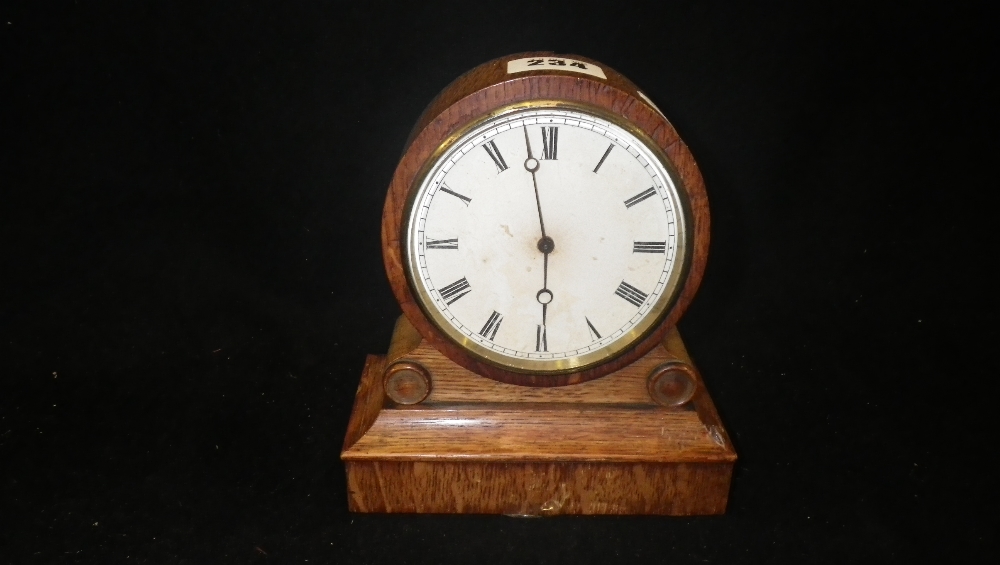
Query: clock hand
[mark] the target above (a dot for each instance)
(531, 165)
(544, 296)
(546, 245)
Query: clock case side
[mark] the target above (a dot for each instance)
(489, 88)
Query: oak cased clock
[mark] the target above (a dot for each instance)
(544, 231)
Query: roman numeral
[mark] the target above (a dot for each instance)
(640, 197)
(603, 157)
(593, 330)
(541, 342)
(550, 142)
(457, 289)
(491, 326)
(442, 243)
(491, 148)
(649, 247)
(631, 293)
(465, 199)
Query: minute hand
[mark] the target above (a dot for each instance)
(531, 165)
(545, 244)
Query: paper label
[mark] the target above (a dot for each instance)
(554, 63)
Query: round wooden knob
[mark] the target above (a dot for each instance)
(407, 383)
(672, 384)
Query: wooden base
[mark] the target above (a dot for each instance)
(475, 445)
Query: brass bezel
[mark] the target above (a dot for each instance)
(647, 325)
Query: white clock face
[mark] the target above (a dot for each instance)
(546, 240)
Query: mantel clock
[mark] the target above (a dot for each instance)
(543, 233)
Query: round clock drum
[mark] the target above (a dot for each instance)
(546, 224)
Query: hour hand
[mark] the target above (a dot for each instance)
(544, 296)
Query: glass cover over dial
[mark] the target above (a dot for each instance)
(547, 239)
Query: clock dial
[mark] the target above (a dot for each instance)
(546, 239)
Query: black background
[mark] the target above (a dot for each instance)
(191, 276)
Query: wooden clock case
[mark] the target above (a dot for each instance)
(466, 436)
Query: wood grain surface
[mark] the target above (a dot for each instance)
(598, 447)
(538, 489)
(488, 88)
(538, 432)
(454, 383)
